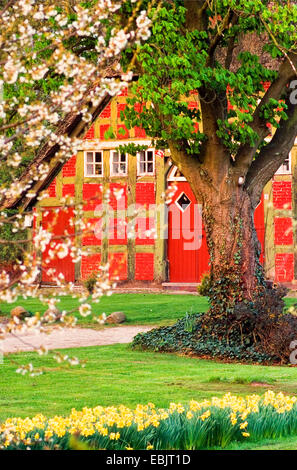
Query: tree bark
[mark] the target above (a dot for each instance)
(228, 218)
(234, 249)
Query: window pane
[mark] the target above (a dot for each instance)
(150, 167)
(98, 169)
(98, 157)
(142, 167)
(123, 157)
(123, 167)
(115, 156)
(150, 156)
(115, 168)
(89, 157)
(90, 169)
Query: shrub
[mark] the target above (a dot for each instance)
(205, 285)
(254, 332)
(90, 282)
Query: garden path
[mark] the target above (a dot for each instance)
(60, 338)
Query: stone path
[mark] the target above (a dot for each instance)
(60, 338)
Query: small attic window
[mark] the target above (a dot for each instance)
(94, 163)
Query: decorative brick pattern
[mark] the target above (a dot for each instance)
(145, 193)
(51, 190)
(284, 267)
(69, 167)
(117, 266)
(90, 264)
(106, 113)
(93, 194)
(282, 194)
(90, 133)
(68, 190)
(144, 266)
(283, 231)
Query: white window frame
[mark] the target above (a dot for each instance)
(146, 173)
(93, 163)
(112, 152)
(172, 175)
(283, 170)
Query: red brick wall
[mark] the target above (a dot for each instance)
(119, 134)
(90, 133)
(282, 194)
(90, 264)
(144, 266)
(91, 238)
(284, 267)
(139, 132)
(142, 225)
(145, 193)
(283, 231)
(121, 202)
(117, 266)
(117, 231)
(68, 190)
(120, 107)
(106, 112)
(102, 129)
(51, 190)
(92, 191)
(69, 167)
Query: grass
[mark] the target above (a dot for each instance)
(140, 309)
(116, 374)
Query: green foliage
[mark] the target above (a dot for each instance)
(256, 331)
(90, 282)
(11, 252)
(205, 285)
(174, 61)
(183, 428)
(178, 338)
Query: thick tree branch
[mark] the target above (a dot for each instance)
(195, 15)
(246, 153)
(272, 155)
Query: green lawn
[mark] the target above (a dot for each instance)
(116, 374)
(140, 309)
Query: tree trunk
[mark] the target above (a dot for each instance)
(235, 270)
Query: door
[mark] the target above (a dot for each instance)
(186, 244)
(59, 224)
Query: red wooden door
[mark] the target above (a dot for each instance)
(188, 256)
(185, 242)
(59, 225)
